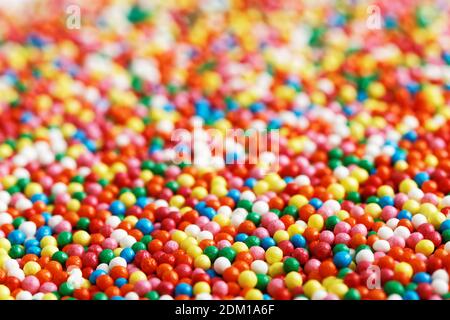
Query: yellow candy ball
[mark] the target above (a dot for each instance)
(239, 246)
(311, 286)
(261, 187)
(81, 237)
(294, 229)
(48, 241)
(404, 268)
(281, 235)
(48, 251)
(201, 287)
(350, 184)
(219, 191)
(179, 236)
(5, 244)
(412, 206)
(293, 279)
(336, 190)
(73, 205)
(131, 219)
(373, 209)
(425, 247)
(202, 262)
(273, 254)
(348, 93)
(4, 292)
(31, 268)
(247, 279)
(298, 201)
(32, 189)
(188, 242)
(194, 251)
(221, 220)
(436, 219)
(117, 251)
(199, 193)
(428, 209)
(253, 294)
(407, 185)
(137, 276)
(385, 191)
(316, 221)
(360, 174)
(177, 201)
(342, 215)
(276, 269)
(328, 282)
(49, 296)
(128, 199)
(186, 180)
(339, 289)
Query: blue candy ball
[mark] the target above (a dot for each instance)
(144, 225)
(183, 289)
(342, 259)
(16, 237)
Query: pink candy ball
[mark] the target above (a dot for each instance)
(220, 288)
(171, 246)
(261, 233)
(326, 236)
(257, 253)
(388, 212)
(31, 284)
(110, 243)
(342, 227)
(342, 238)
(275, 285)
(358, 229)
(212, 227)
(48, 287)
(312, 265)
(142, 287)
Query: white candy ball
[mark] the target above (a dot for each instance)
(385, 233)
(381, 245)
(131, 296)
(127, 241)
(118, 234)
(192, 230)
(248, 195)
(402, 232)
(113, 221)
(259, 266)
(364, 255)
(260, 207)
(5, 218)
(440, 274)
(221, 264)
(205, 235)
(418, 219)
(302, 180)
(29, 228)
(24, 295)
(117, 261)
(440, 286)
